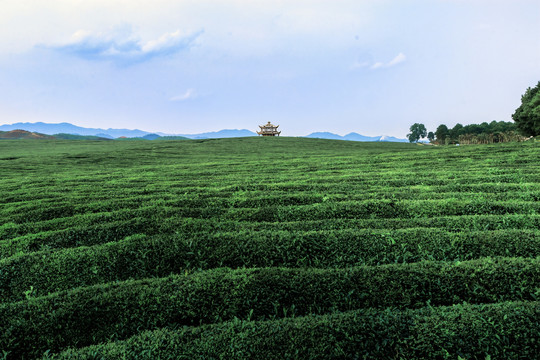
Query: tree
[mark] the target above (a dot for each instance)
(442, 133)
(527, 115)
(418, 131)
(456, 131)
(431, 136)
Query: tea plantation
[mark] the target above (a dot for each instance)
(268, 248)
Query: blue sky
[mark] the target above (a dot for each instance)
(369, 66)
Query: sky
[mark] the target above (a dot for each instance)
(374, 67)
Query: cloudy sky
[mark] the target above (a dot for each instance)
(187, 66)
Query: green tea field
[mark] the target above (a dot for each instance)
(268, 248)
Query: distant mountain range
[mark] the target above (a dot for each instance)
(354, 137)
(70, 129)
(227, 133)
(67, 128)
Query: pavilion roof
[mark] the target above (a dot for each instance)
(269, 125)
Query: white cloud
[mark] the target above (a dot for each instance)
(189, 94)
(398, 59)
(166, 41)
(122, 46)
(374, 65)
(234, 26)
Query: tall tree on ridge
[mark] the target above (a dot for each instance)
(418, 131)
(442, 133)
(527, 115)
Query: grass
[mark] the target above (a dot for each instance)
(130, 225)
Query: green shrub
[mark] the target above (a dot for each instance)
(142, 256)
(348, 220)
(499, 331)
(116, 311)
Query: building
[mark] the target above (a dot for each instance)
(269, 130)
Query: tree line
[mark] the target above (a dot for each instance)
(526, 123)
(484, 133)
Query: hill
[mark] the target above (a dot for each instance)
(226, 133)
(354, 137)
(66, 128)
(264, 248)
(79, 137)
(23, 134)
(164, 137)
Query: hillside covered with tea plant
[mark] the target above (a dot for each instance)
(268, 248)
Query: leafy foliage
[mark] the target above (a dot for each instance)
(442, 133)
(507, 330)
(255, 294)
(527, 115)
(417, 132)
(484, 133)
(268, 247)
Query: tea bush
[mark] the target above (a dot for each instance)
(268, 248)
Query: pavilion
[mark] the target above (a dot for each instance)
(269, 130)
